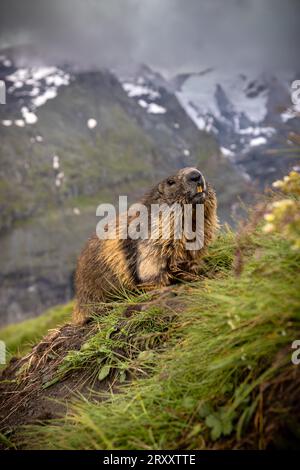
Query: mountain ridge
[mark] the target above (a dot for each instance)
(72, 139)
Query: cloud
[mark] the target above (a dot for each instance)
(171, 35)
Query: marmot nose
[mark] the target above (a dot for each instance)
(195, 176)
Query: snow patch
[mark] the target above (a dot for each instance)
(91, 123)
(257, 131)
(19, 122)
(35, 91)
(55, 163)
(28, 116)
(154, 108)
(42, 72)
(257, 141)
(59, 179)
(143, 103)
(134, 90)
(203, 122)
(226, 152)
(42, 99)
(47, 78)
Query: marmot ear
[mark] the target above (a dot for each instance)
(161, 188)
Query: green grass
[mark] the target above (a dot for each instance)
(117, 347)
(195, 375)
(19, 338)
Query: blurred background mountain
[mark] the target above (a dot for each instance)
(106, 98)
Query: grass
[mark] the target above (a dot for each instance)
(197, 376)
(116, 347)
(19, 338)
(205, 365)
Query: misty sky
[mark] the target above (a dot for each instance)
(170, 35)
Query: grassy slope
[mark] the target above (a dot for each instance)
(198, 377)
(20, 337)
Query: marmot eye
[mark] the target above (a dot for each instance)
(170, 182)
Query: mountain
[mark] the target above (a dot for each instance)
(72, 139)
(251, 117)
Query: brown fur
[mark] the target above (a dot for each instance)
(106, 266)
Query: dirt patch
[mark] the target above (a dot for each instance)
(23, 398)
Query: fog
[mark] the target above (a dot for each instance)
(170, 35)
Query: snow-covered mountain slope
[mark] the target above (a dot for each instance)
(237, 106)
(148, 88)
(30, 86)
(252, 118)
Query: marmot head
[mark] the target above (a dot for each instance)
(187, 186)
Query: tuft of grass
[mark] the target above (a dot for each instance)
(210, 365)
(118, 345)
(20, 337)
(221, 253)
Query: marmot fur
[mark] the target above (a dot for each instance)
(107, 266)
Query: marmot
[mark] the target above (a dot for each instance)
(107, 266)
